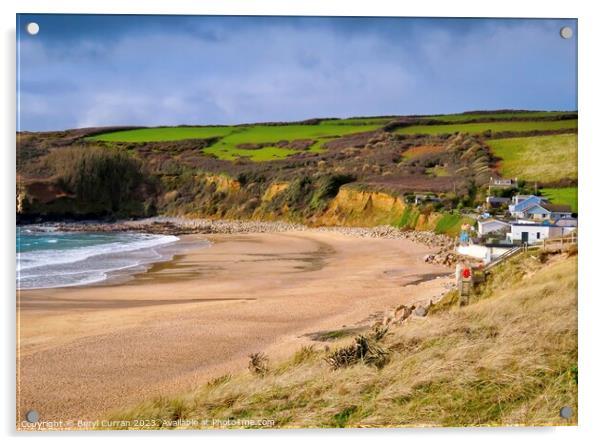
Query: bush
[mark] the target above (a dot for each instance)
(327, 188)
(365, 349)
(105, 177)
(258, 363)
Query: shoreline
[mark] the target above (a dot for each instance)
(85, 351)
(167, 225)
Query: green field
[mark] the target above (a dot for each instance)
(481, 127)
(162, 134)
(538, 158)
(524, 114)
(567, 195)
(230, 137)
(227, 147)
(262, 154)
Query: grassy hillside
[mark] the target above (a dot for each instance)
(566, 195)
(400, 156)
(510, 357)
(538, 158)
(255, 142)
(265, 142)
(495, 127)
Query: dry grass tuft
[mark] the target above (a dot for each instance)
(364, 349)
(258, 363)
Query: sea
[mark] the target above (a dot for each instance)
(48, 258)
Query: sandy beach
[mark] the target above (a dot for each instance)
(84, 351)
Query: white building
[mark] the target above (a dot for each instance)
(546, 211)
(492, 225)
(535, 232)
(484, 252)
(521, 203)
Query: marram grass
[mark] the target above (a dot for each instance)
(508, 358)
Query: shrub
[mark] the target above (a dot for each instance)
(364, 349)
(327, 188)
(258, 363)
(95, 175)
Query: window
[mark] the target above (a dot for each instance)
(538, 235)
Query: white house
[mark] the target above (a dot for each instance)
(521, 203)
(502, 183)
(534, 232)
(546, 211)
(492, 225)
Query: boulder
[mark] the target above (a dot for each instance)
(420, 311)
(401, 313)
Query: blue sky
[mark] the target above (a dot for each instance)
(82, 71)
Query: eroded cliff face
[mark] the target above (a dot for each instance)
(218, 196)
(362, 208)
(223, 197)
(43, 198)
(356, 207)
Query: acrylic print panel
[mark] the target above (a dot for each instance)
(283, 222)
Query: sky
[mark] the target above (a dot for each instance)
(101, 70)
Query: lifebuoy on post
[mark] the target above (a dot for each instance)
(465, 285)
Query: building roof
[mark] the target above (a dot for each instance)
(541, 198)
(497, 180)
(566, 222)
(535, 224)
(533, 207)
(491, 220)
(557, 208)
(527, 202)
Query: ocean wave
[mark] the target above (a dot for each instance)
(47, 268)
(47, 257)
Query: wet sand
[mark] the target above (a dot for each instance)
(88, 350)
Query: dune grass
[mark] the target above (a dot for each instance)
(480, 127)
(508, 358)
(538, 158)
(566, 195)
